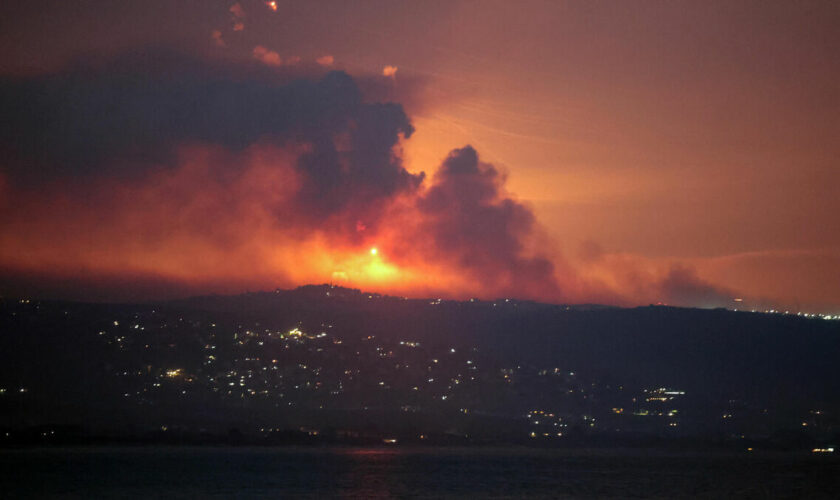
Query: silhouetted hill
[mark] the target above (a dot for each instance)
(323, 356)
(766, 355)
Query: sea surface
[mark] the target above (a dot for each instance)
(208, 472)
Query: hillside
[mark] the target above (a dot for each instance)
(322, 357)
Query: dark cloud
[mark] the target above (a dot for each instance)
(682, 286)
(119, 117)
(473, 221)
(175, 171)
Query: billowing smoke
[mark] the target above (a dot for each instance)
(472, 222)
(184, 176)
(131, 114)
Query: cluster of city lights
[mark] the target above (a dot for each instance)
(798, 313)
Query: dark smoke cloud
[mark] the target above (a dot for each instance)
(473, 222)
(157, 170)
(682, 286)
(122, 116)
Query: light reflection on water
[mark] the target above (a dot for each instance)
(146, 472)
(369, 473)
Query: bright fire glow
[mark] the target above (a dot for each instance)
(374, 251)
(272, 5)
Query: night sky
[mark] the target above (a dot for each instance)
(612, 152)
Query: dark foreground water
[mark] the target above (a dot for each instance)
(160, 472)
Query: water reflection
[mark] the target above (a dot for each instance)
(372, 473)
(384, 472)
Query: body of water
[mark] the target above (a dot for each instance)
(163, 472)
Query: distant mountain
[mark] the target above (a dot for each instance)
(324, 357)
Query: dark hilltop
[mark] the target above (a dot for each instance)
(325, 364)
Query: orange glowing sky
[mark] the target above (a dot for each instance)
(699, 137)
